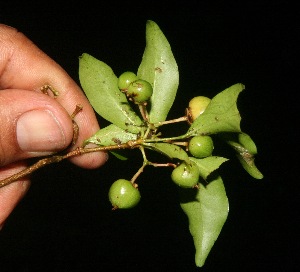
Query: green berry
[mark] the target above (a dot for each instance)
(125, 79)
(123, 195)
(186, 175)
(201, 146)
(197, 106)
(140, 91)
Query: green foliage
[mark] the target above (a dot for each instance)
(246, 141)
(159, 67)
(208, 165)
(137, 126)
(207, 210)
(100, 85)
(221, 114)
(170, 150)
(246, 150)
(110, 135)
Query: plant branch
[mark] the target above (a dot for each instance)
(166, 140)
(80, 151)
(57, 158)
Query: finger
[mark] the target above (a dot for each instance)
(24, 66)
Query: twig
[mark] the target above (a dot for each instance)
(180, 119)
(57, 158)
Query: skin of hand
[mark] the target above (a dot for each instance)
(33, 124)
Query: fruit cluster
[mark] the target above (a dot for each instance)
(124, 194)
(187, 175)
(137, 105)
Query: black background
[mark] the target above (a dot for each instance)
(65, 222)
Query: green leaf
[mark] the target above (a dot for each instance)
(247, 161)
(100, 85)
(170, 150)
(159, 67)
(208, 165)
(207, 210)
(245, 151)
(119, 156)
(246, 141)
(110, 135)
(221, 115)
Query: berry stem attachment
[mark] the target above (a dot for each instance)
(181, 143)
(180, 119)
(146, 162)
(133, 179)
(143, 111)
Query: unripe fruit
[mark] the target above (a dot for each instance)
(125, 79)
(201, 146)
(140, 91)
(186, 175)
(197, 106)
(123, 195)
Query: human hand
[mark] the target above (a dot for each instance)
(33, 124)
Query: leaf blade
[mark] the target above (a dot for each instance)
(110, 135)
(207, 211)
(208, 165)
(245, 149)
(170, 150)
(159, 67)
(221, 115)
(100, 85)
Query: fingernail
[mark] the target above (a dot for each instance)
(40, 131)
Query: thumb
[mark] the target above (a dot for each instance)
(31, 124)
